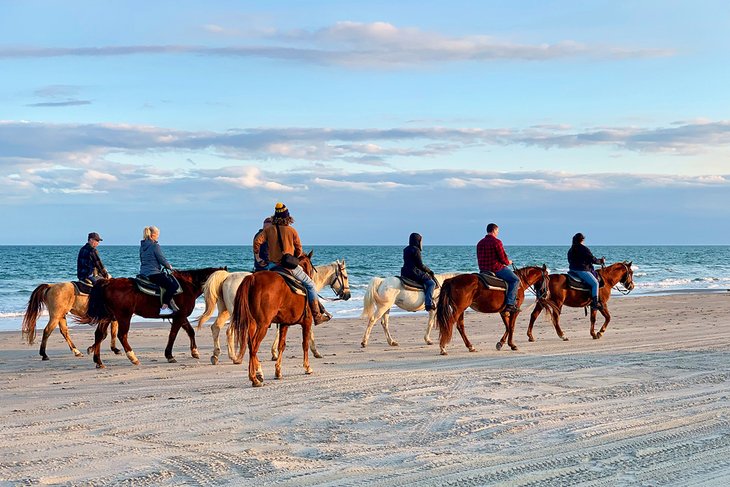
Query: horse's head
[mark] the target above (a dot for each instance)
(532, 274)
(340, 285)
(627, 278)
(305, 260)
(620, 272)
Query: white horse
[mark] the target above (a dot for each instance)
(383, 293)
(221, 287)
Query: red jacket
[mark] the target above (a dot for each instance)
(490, 254)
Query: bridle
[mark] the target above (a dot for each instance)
(339, 284)
(533, 289)
(626, 289)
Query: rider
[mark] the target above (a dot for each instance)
(262, 257)
(492, 258)
(88, 263)
(414, 268)
(282, 239)
(152, 261)
(580, 261)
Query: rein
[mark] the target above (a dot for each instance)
(338, 279)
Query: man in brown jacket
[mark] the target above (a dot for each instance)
(281, 239)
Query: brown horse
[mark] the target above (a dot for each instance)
(264, 298)
(466, 291)
(60, 299)
(561, 294)
(119, 299)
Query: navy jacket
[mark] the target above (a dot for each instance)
(580, 258)
(151, 258)
(413, 266)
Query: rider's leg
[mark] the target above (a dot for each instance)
(591, 280)
(512, 284)
(314, 304)
(428, 286)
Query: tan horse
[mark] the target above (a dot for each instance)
(220, 290)
(561, 294)
(60, 299)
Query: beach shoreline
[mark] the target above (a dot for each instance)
(647, 403)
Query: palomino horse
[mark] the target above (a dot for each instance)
(264, 298)
(561, 294)
(466, 291)
(221, 287)
(383, 293)
(60, 299)
(120, 299)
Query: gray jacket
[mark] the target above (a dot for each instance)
(151, 258)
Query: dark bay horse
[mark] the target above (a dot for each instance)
(60, 299)
(466, 291)
(264, 298)
(119, 299)
(561, 294)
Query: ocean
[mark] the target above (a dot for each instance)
(657, 269)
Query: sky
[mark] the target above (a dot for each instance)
(369, 120)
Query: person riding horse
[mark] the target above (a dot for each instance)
(283, 239)
(414, 268)
(260, 258)
(580, 262)
(491, 257)
(152, 261)
(88, 263)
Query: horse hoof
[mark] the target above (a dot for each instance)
(317, 355)
(273, 358)
(499, 345)
(513, 347)
(472, 349)
(90, 349)
(172, 360)
(78, 354)
(44, 357)
(260, 376)
(256, 384)
(100, 366)
(599, 335)
(237, 362)
(394, 344)
(363, 344)
(443, 352)
(530, 339)
(308, 371)
(429, 342)
(135, 362)
(115, 350)
(214, 360)
(565, 339)
(195, 354)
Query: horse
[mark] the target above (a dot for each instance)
(221, 287)
(264, 298)
(561, 294)
(466, 291)
(119, 299)
(383, 293)
(60, 299)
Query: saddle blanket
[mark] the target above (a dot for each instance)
(575, 282)
(150, 288)
(294, 284)
(410, 284)
(81, 288)
(491, 281)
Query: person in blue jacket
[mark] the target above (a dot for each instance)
(152, 262)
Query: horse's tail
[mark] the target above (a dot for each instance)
(212, 293)
(98, 313)
(241, 315)
(445, 310)
(35, 306)
(371, 295)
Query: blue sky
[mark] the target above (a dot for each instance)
(370, 120)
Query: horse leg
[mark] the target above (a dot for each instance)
(256, 336)
(429, 327)
(275, 343)
(533, 316)
(63, 326)
(215, 330)
(593, 324)
(510, 337)
(52, 323)
(313, 345)
(113, 344)
(99, 336)
(502, 340)
(280, 350)
(191, 334)
(123, 333)
(306, 330)
(232, 353)
(369, 328)
(174, 329)
(462, 332)
(385, 322)
(607, 318)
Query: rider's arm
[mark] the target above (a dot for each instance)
(502, 255)
(297, 244)
(161, 257)
(259, 239)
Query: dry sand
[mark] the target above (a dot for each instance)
(647, 404)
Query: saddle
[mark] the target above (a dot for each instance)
(150, 288)
(294, 284)
(410, 284)
(491, 281)
(575, 282)
(82, 288)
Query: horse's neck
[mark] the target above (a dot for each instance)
(611, 275)
(442, 277)
(323, 275)
(531, 275)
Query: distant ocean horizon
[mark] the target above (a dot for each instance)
(657, 269)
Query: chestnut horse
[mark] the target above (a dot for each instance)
(119, 299)
(466, 291)
(264, 298)
(563, 295)
(60, 299)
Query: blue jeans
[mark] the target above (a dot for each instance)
(307, 281)
(512, 283)
(428, 286)
(589, 279)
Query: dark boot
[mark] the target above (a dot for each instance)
(317, 315)
(596, 304)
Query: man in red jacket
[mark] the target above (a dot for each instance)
(492, 258)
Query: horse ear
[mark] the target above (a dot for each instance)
(631, 262)
(309, 255)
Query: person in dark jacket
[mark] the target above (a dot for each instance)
(580, 262)
(414, 268)
(261, 259)
(88, 263)
(151, 263)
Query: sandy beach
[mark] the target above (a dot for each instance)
(647, 404)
